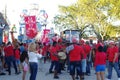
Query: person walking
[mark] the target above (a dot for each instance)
(75, 57)
(112, 53)
(100, 63)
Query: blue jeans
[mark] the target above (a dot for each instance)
(75, 66)
(110, 67)
(84, 65)
(33, 70)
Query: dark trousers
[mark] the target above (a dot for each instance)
(88, 67)
(9, 60)
(55, 65)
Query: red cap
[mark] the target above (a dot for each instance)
(111, 43)
(82, 41)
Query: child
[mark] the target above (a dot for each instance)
(24, 60)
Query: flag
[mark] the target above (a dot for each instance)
(30, 26)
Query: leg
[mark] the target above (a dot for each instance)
(33, 69)
(73, 77)
(72, 70)
(88, 68)
(110, 66)
(84, 67)
(14, 64)
(24, 74)
(51, 67)
(102, 74)
(116, 69)
(8, 61)
(56, 70)
(98, 75)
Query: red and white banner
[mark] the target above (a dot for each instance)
(45, 38)
(30, 25)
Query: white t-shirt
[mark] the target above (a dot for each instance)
(33, 57)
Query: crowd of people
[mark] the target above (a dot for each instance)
(76, 57)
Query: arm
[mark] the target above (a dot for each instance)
(115, 57)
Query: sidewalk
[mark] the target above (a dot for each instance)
(44, 75)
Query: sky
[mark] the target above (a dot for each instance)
(15, 7)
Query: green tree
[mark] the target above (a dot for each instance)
(98, 13)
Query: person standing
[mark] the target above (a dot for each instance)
(24, 63)
(9, 55)
(54, 60)
(112, 53)
(17, 57)
(75, 56)
(33, 60)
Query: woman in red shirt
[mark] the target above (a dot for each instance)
(100, 62)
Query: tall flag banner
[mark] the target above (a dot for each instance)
(30, 26)
(45, 37)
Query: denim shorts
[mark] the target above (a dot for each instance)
(100, 68)
(75, 66)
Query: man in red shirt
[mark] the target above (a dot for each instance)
(54, 59)
(9, 57)
(84, 57)
(88, 54)
(112, 53)
(75, 56)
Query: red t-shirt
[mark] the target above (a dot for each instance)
(76, 53)
(58, 47)
(8, 50)
(111, 51)
(17, 54)
(44, 50)
(53, 53)
(100, 58)
(86, 49)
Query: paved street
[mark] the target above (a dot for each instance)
(44, 75)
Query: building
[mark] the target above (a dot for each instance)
(4, 29)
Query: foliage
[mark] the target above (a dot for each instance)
(98, 13)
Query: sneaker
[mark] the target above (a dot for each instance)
(88, 74)
(2, 74)
(51, 72)
(17, 73)
(9, 73)
(76, 77)
(56, 77)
